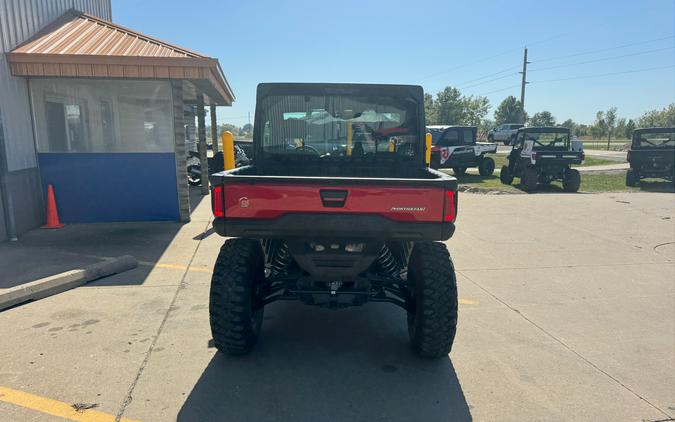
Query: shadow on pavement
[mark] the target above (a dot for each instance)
(657, 186)
(313, 364)
(42, 253)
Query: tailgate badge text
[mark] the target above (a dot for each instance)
(408, 209)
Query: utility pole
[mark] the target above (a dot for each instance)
(522, 86)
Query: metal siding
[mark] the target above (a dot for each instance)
(19, 20)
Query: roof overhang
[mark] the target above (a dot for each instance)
(81, 46)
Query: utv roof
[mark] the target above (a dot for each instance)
(543, 129)
(292, 88)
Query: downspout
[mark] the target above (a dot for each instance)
(7, 202)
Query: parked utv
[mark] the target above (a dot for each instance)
(541, 155)
(456, 147)
(338, 209)
(651, 154)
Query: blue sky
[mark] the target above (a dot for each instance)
(433, 43)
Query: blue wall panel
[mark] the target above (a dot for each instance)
(100, 187)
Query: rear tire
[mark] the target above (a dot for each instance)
(572, 180)
(632, 178)
(486, 167)
(459, 171)
(528, 180)
(505, 175)
(431, 278)
(237, 278)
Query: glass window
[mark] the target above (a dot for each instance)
(547, 138)
(336, 125)
(436, 135)
(467, 136)
(656, 139)
(451, 138)
(82, 115)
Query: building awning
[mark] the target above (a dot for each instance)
(78, 45)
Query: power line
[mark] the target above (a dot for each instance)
(499, 90)
(603, 59)
(540, 41)
(490, 80)
(469, 64)
(605, 49)
(464, 86)
(603, 74)
(487, 76)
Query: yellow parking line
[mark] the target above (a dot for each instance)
(468, 302)
(175, 267)
(54, 407)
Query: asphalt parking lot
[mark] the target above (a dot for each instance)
(567, 312)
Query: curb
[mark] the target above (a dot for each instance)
(58, 283)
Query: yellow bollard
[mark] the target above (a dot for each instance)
(228, 149)
(349, 138)
(427, 151)
(392, 145)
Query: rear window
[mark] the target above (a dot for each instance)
(655, 140)
(546, 139)
(339, 125)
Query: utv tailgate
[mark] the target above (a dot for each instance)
(263, 207)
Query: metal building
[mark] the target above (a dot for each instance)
(97, 110)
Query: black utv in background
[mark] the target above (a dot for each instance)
(542, 155)
(651, 154)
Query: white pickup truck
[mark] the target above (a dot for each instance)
(504, 133)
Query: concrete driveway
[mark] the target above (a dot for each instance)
(566, 313)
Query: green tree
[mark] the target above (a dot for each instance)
(628, 130)
(620, 128)
(610, 123)
(542, 118)
(569, 124)
(475, 110)
(581, 130)
(510, 111)
(429, 109)
(658, 118)
(599, 128)
(222, 128)
(247, 128)
(484, 127)
(449, 107)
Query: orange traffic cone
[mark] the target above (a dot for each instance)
(52, 212)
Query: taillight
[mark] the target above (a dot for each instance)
(434, 148)
(450, 208)
(218, 201)
(534, 157)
